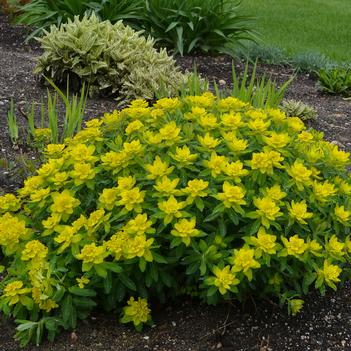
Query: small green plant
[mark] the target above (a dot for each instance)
(294, 108)
(12, 123)
(187, 26)
(49, 131)
(260, 92)
(113, 60)
(310, 62)
(198, 193)
(335, 81)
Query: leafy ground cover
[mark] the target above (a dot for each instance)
(191, 326)
(320, 26)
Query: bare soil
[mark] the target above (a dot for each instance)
(325, 323)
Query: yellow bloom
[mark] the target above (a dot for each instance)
(50, 168)
(34, 250)
(115, 160)
(60, 178)
(64, 203)
(208, 142)
(133, 127)
(67, 236)
(158, 168)
(39, 195)
(196, 188)
(108, 198)
(231, 103)
(277, 115)
(82, 153)
(259, 125)
(139, 225)
(344, 187)
(275, 192)
(298, 211)
(82, 173)
(14, 290)
(93, 123)
(172, 208)
(265, 243)
(132, 149)
(338, 157)
(205, 100)
(54, 149)
(235, 170)
(305, 136)
(185, 229)
(295, 306)
(168, 104)
(265, 161)
(167, 186)
(152, 138)
(295, 124)
(300, 174)
(224, 279)
(183, 155)
(315, 247)
(51, 222)
(117, 244)
(237, 145)
(330, 274)
(12, 230)
(342, 215)
(92, 254)
(137, 312)
(9, 203)
(125, 183)
(132, 199)
(335, 247)
(208, 121)
(295, 246)
(31, 184)
(277, 140)
(170, 132)
(256, 114)
(232, 120)
(232, 196)
(243, 261)
(323, 191)
(138, 246)
(267, 210)
(216, 164)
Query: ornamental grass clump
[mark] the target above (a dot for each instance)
(196, 194)
(111, 59)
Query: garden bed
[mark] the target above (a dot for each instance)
(324, 323)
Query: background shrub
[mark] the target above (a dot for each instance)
(183, 26)
(113, 60)
(202, 193)
(294, 108)
(208, 26)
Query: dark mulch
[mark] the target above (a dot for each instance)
(261, 325)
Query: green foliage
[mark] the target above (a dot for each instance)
(48, 130)
(294, 108)
(208, 26)
(113, 60)
(310, 62)
(197, 193)
(260, 92)
(12, 123)
(335, 81)
(41, 14)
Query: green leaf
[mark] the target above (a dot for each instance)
(75, 290)
(127, 282)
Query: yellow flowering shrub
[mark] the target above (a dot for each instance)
(194, 192)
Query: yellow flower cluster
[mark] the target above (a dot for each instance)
(197, 189)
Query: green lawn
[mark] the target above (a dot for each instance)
(297, 26)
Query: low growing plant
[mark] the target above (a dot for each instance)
(335, 81)
(261, 92)
(113, 60)
(197, 192)
(294, 108)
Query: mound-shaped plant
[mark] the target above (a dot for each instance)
(196, 193)
(113, 60)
